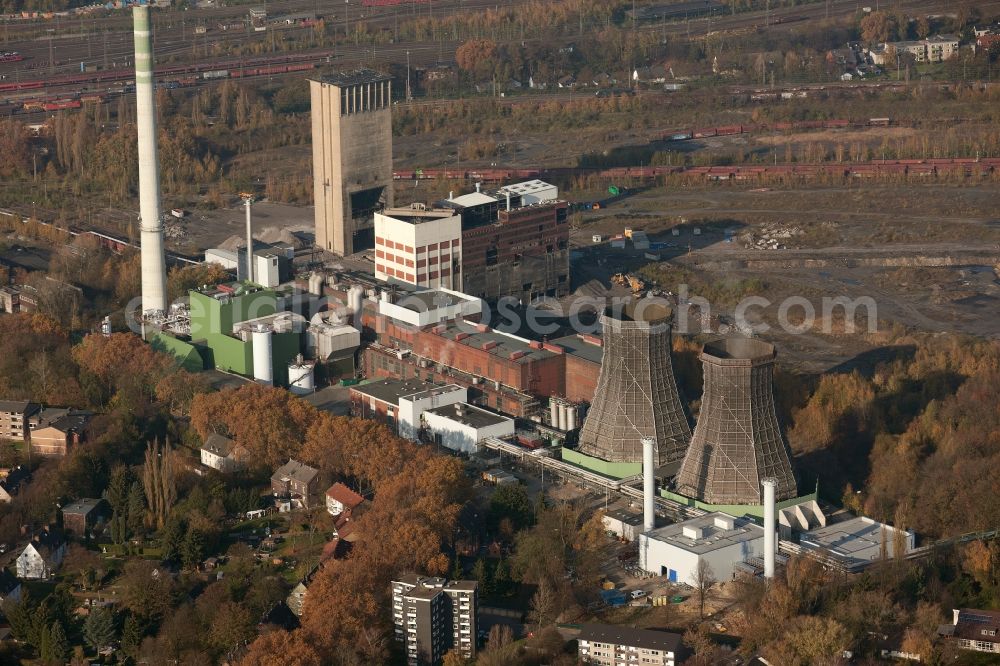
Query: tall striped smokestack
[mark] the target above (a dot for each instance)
(770, 527)
(648, 484)
(154, 270)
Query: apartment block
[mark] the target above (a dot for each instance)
(610, 645)
(432, 616)
(14, 419)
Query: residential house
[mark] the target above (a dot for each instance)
(988, 40)
(297, 483)
(296, 599)
(54, 431)
(10, 587)
(341, 499)
(653, 74)
(10, 299)
(603, 80)
(973, 629)
(567, 82)
(83, 515)
(42, 556)
(14, 419)
(11, 482)
(610, 645)
(223, 454)
(937, 48)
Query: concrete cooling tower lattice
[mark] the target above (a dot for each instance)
(636, 393)
(737, 441)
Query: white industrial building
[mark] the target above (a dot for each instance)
(224, 258)
(433, 306)
(265, 270)
(326, 339)
(719, 539)
(412, 407)
(460, 427)
(856, 542)
(531, 191)
(624, 523)
(419, 246)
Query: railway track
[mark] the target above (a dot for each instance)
(960, 166)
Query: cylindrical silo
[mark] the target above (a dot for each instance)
(316, 284)
(263, 369)
(570, 417)
(553, 413)
(562, 416)
(300, 377)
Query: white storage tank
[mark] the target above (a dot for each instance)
(316, 284)
(263, 370)
(301, 379)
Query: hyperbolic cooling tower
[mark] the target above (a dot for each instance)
(737, 441)
(636, 393)
(154, 270)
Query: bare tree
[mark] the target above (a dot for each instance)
(703, 578)
(543, 604)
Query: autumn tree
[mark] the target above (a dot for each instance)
(878, 26)
(477, 56)
(281, 648)
(124, 366)
(810, 639)
(50, 375)
(268, 421)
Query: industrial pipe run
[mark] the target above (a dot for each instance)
(153, 261)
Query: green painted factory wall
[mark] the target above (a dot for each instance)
(210, 316)
(737, 510)
(284, 348)
(612, 469)
(231, 354)
(185, 353)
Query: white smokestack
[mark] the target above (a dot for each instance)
(249, 202)
(769, 526)
(154, 269)
(648, 484)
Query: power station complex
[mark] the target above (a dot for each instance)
(412, 339)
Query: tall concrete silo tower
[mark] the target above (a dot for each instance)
(352, 157)
(737, 442)
(636, 393)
